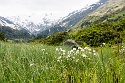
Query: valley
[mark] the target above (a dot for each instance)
(86, 46)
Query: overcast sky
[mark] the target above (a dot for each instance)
(58, 8)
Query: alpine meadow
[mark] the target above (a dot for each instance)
(86, 46)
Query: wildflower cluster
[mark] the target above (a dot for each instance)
(122, 49)
(75, 54)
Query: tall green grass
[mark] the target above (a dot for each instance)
(26, 63)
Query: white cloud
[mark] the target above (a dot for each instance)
(57, 7)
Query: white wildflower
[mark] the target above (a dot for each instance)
(62, 50)
(58, 60)
(77, 52)
(71, 51)
(83, 55)
(73, 57)
(43, 49)
(82, 50)
(87, 48)
(95, 54)
(68, 56)
(79, 48)
(57, 49)
(74, 49)
(88, 58)
(103, 43)
(31, 64)
(77, 60)
(64, 53)
(94, 51)
(59, 57)
(123, 49)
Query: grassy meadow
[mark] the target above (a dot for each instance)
(28, 63)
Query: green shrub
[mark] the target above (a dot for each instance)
(55, 39)
(2, 37)
(95, 35)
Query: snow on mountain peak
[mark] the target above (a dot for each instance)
(33, 23)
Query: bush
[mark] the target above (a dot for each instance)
(95, 35)
(2, 37)
(55, 39)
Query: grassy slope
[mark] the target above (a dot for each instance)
(26, 63)
(95, 35)
(113, 8)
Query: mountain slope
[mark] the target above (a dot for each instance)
(110, 33)
(106, 26)
(104, 32)
(11, 30)
(14, 34)
(72, 19)
(112, 10)
(33, 23)
(6, 22)
(76, 16)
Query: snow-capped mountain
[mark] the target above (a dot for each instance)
(75, 16)
(34, 23)
(11, 30)
(72, 19)
(8, 23)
